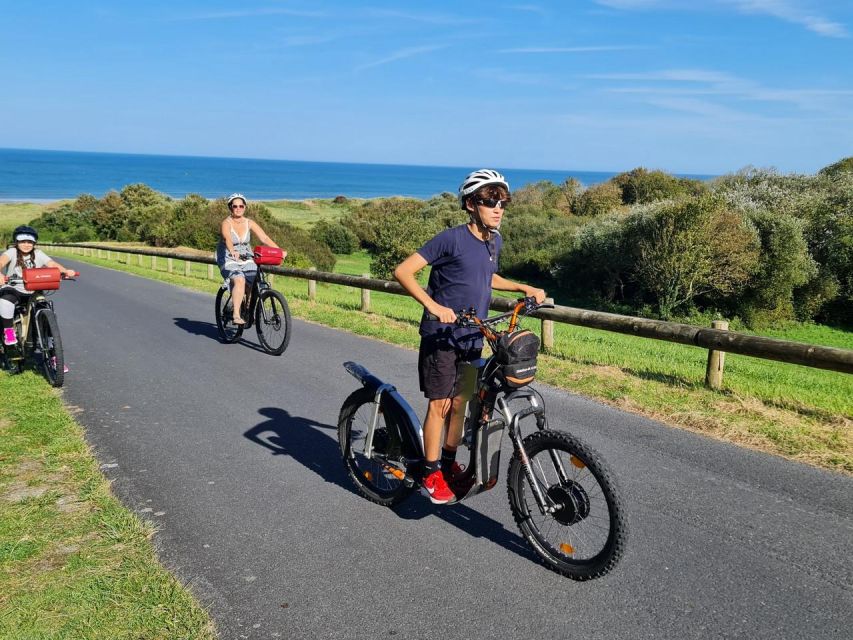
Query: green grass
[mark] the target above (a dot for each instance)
(305, 213)
(13, 214)
(790, 410)
(74, 563)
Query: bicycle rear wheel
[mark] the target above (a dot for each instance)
(50, 344)
(380, 477)
(272, 322)
(228, 331)
(584, 536)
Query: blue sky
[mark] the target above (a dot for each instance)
(680, 85)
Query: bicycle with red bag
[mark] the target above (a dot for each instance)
(36, 326)
(262, 306)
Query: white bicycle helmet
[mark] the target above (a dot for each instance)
(477, 179)
(237, 196)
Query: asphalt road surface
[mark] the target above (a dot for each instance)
(233, 454)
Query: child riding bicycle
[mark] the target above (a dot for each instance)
(464, 262)
(13, 261)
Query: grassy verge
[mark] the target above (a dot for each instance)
(74, 563)
(797, 412)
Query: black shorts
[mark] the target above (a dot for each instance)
(440, 367)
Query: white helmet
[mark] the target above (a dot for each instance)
(477, 179)
(236, 196)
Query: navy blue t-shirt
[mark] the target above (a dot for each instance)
(461, 277)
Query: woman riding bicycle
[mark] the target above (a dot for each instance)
(13, 261)
(234, 252)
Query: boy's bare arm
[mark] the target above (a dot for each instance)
(405, 275)
(502, 284)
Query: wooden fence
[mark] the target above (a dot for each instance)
(717, 340)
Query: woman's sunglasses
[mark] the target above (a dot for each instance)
(491, 203)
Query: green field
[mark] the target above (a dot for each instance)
(13, 214)
(305, 213)
(795, 411)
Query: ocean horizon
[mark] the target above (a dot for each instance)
(32, 175)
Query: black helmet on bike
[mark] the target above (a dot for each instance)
(25, 232)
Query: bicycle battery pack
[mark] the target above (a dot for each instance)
(43, 279)
(488, 443)
(268, 255)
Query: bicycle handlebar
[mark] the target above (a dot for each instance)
(468, 318)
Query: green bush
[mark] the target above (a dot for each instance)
(845, 165)
(784, 265)
(336, 236)
(641, 186)
(599, 200)
(689, 248)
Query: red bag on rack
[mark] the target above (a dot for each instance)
(43, 279)
(268, 256)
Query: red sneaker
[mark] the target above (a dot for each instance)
(435, 488)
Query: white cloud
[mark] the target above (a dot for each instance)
(590, 49)
(401, 55)
(250, 13)
(670, 85)
(793, 11)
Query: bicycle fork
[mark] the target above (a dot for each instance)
(546, 504)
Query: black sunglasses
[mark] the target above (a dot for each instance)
(491, 203)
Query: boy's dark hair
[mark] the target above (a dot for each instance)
(495, 191)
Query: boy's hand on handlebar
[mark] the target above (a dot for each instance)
(536, 294)
(443, 314)
(70, 273)
(2, 279)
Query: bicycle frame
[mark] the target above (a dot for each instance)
(482, 434)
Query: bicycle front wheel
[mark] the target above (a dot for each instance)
(272, 322)
(50, 344)
(583, 534)
(228, 331)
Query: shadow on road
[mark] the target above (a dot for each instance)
(302, 440)
(196, 327)
(209, 330)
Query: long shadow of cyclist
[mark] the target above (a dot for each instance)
(209, 330)
(196, 327)
(302, 440)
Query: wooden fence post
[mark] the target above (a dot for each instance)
(716, 360)
(100, 255)
(153, 263)
(139, 259)
(169, 265)
(210, 272)
(365, 296)
(187, 268)
(548, 330)
(312, 287)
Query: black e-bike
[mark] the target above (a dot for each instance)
(562, 496)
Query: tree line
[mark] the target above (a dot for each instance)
(757, 245)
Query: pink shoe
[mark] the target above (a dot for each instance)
(9, 337)
(53, 364)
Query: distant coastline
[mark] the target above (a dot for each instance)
(37, 176)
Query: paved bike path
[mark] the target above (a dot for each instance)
(233, 454)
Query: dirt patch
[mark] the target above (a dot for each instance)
(19, 492)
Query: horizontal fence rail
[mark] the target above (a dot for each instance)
(715, 340)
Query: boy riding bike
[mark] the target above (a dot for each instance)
(464, 262)
(13, 261)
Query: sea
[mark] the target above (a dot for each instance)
(29, 175)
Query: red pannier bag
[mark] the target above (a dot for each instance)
(44, 279)
(268, 255)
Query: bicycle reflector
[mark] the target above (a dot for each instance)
(43, 279)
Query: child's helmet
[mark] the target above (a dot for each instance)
(25, 232)
(236, 196)
(477, 179)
